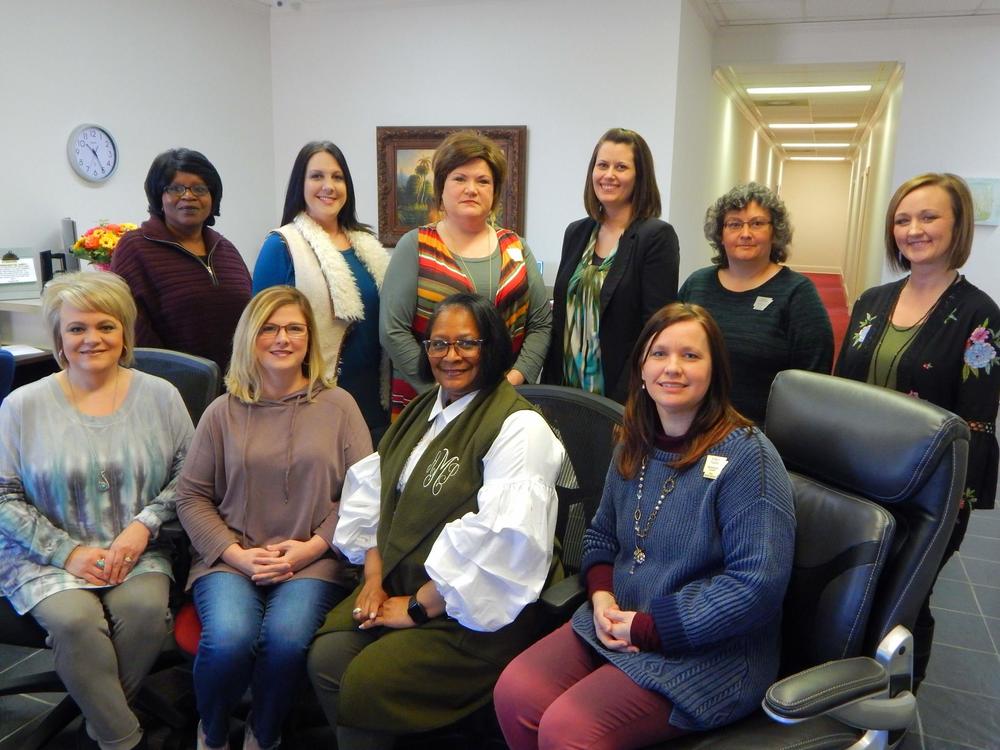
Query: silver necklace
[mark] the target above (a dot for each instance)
(103, 483)
(639, 554)
(468, 274)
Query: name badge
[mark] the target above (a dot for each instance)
(761, 303)
(515, 254)
(714, 466)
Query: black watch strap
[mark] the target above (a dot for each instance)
(417, 611)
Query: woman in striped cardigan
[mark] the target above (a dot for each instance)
(463, 252)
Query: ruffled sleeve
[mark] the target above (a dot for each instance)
(359, 509)
(489, 565)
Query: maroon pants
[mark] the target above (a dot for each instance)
(560, 693)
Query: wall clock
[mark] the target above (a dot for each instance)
(92, 152)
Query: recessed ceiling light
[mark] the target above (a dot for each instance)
(817, 158)
(813, 125)
(846, 89)
(815, 145)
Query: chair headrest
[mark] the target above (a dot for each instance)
(862, 438)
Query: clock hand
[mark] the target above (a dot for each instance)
(97, 159)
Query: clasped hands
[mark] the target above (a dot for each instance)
(109, 567)
(374, 608)
(274, 563)
(613, 625)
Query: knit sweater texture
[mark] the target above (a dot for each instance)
(718, 559)
(780, 325)
(185, 303)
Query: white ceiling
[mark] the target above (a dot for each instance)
(755, 12)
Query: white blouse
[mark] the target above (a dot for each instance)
(487, 565)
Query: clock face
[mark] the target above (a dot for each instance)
(92, 153)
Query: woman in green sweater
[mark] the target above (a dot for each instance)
(771, 317)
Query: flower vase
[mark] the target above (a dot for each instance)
(100, 266)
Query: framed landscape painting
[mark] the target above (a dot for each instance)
(406, 183)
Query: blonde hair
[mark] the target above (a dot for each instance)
(243, 379)
(90, 291)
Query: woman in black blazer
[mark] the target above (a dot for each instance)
(618, 267)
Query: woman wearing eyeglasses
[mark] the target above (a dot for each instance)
(771, 317)
(189, 282)
(454, 521)
(258, 497)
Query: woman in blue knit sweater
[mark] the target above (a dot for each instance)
(686, 564)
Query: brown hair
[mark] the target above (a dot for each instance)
(716, 416)
(645, 193)
(961, 207)
(737, 199)
(462, 147)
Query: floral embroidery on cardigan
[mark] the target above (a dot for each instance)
(980, 351)
(859, 336)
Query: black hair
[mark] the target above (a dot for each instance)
(496, 356)
(295, 197)
(169, 163)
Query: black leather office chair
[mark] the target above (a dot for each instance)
(198, 379)
(878, 477)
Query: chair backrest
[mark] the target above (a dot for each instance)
(878, 476)
(196, 378)
(6, 373)
(585, 423)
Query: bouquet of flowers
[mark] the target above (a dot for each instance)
(98, 243)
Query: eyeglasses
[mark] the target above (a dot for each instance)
(198, 191)
(756, 225)
(440, 347)
(292, 330)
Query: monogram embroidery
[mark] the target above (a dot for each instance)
(442, 468)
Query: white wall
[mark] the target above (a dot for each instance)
(698, 126)
(567, 69)
(157, 74)
(816, 195)
(948, 104)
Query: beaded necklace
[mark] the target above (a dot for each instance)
(639, 554)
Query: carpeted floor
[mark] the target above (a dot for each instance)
(831, 290)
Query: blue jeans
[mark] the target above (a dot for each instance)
(256, 636)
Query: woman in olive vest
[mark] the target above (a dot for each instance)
(453, 521)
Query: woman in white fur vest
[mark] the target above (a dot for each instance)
(336, 261)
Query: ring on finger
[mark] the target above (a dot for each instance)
(100, 563)
(356, 611)
(128, 558)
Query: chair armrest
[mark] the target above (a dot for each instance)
(563, 597)
(824, 688)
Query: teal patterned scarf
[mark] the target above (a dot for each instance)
(581, 346)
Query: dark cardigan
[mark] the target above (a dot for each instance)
(185, 304)
(935, 366)
(642, 279)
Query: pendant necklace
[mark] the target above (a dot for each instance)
(103, 483)
(915, 328)
(639, 554)
(468, 274)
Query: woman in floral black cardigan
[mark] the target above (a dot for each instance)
(933, 335)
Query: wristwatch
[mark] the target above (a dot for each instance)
(417, 611)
